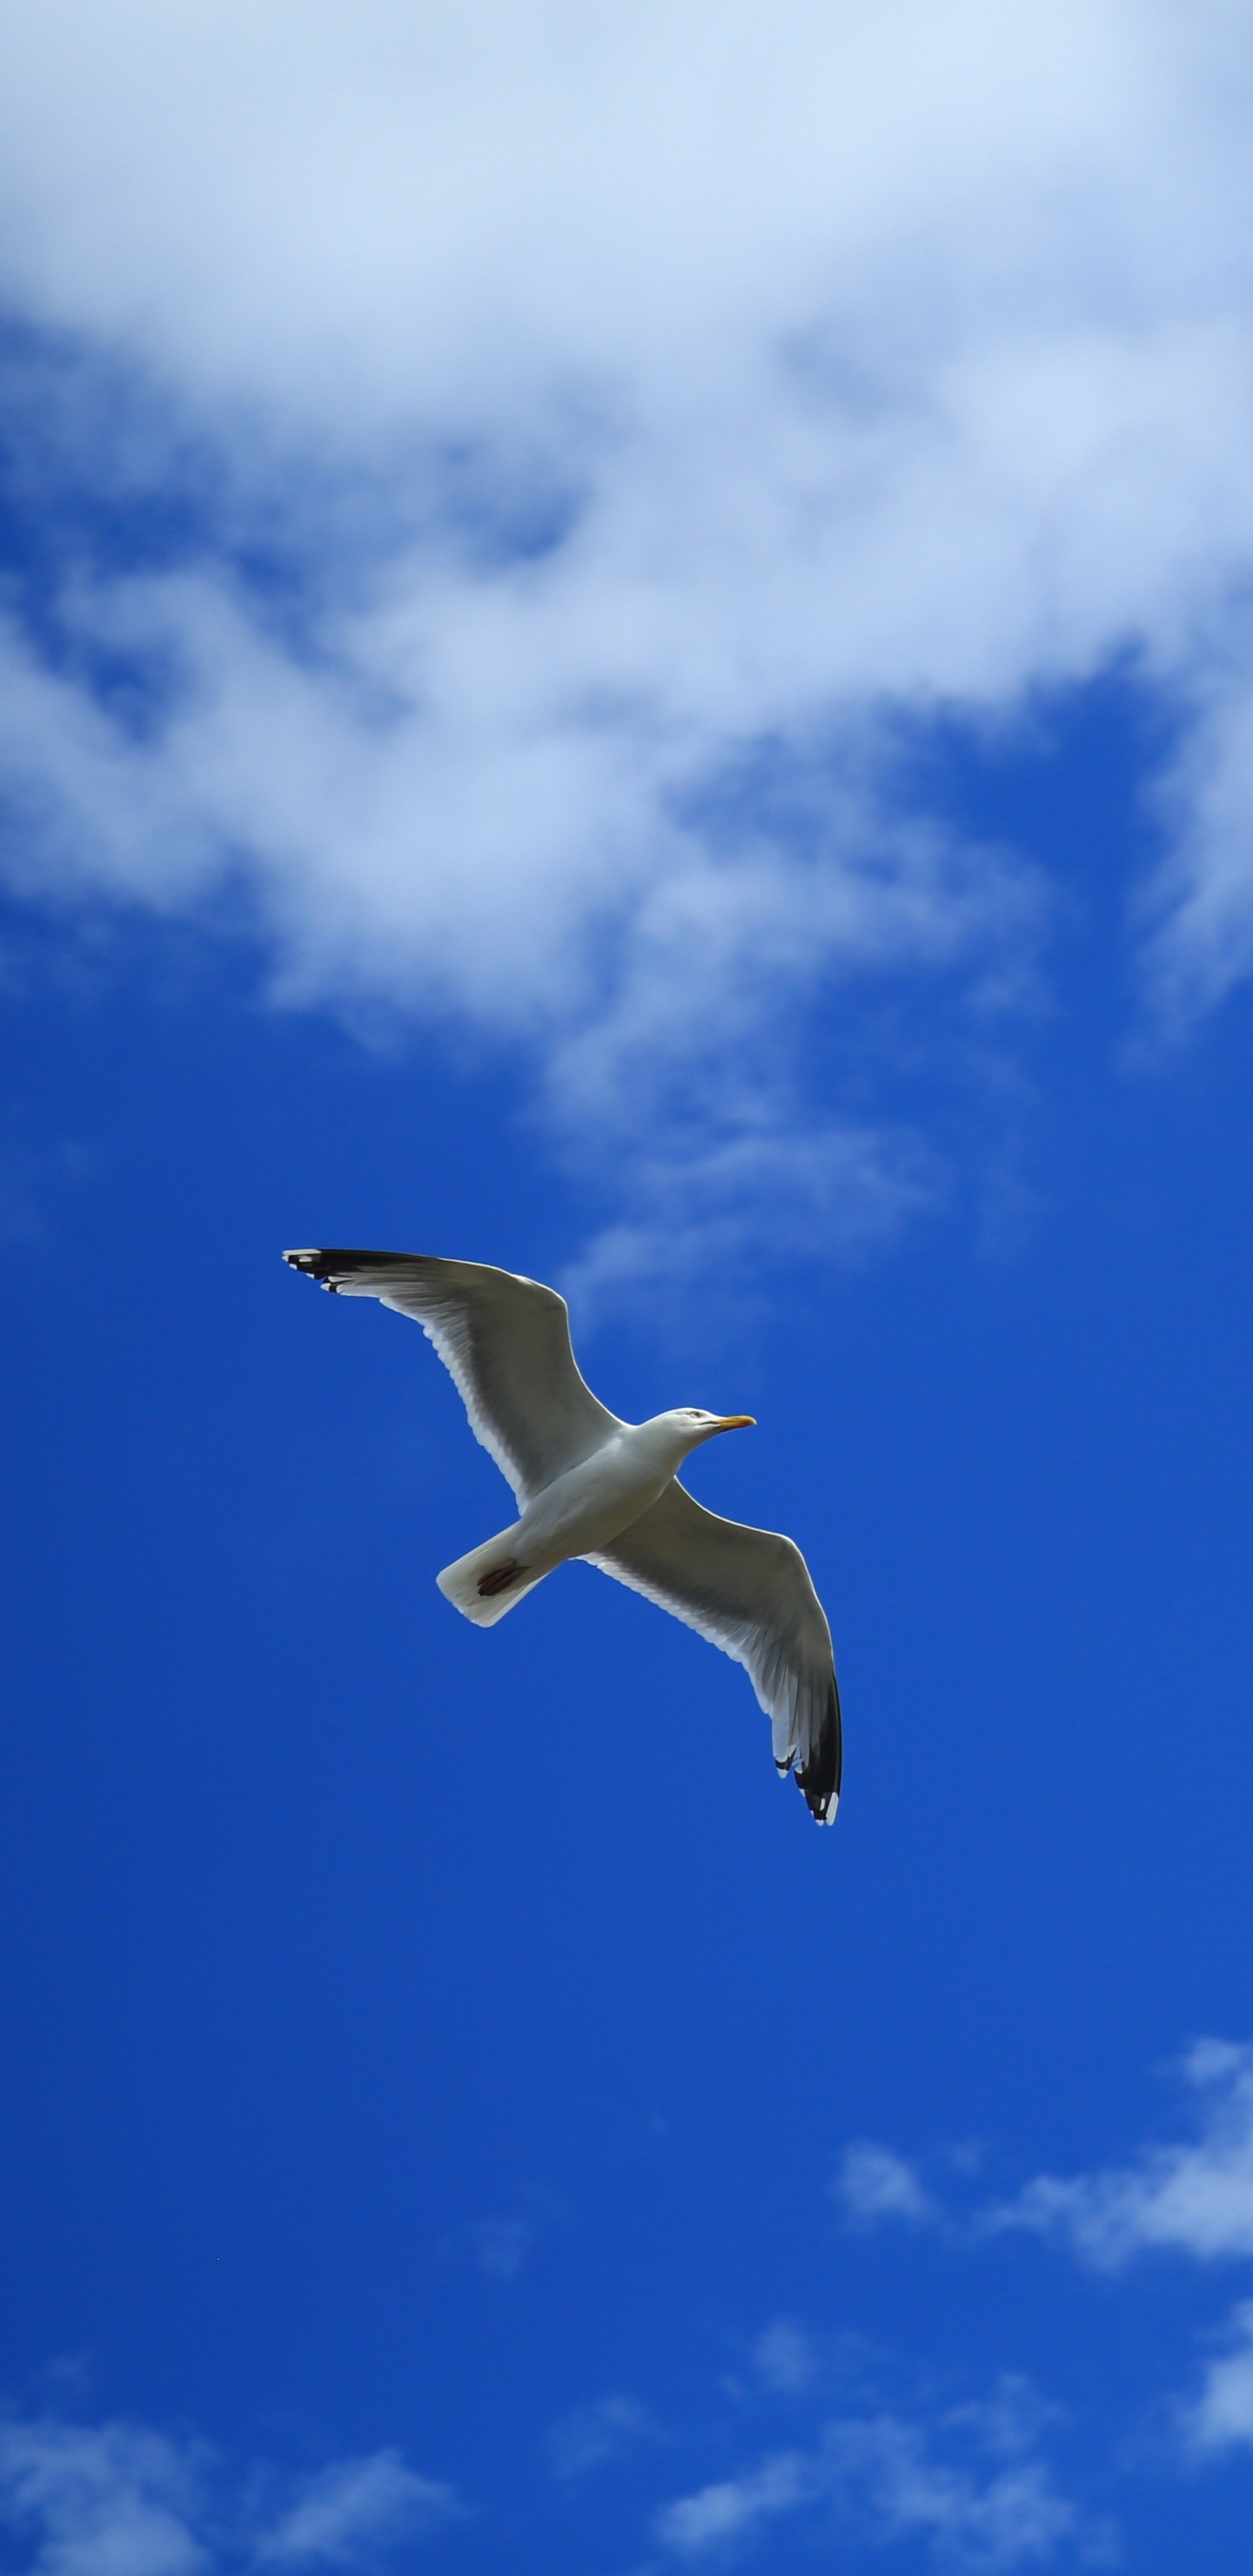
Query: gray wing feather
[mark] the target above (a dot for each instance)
(749, 1592)
(505, 1342)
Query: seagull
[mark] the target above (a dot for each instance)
(588, 1485)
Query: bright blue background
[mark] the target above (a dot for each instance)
(414, 2035)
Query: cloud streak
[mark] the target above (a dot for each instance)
(971, 2485)
(108, 2500)
(357, 2511)
(593, 2436)
(1221, 2419)
(1192, 2197)
(119, 2499)
(875, 2183)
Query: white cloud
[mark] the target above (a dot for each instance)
(735, 2505)
(107, 2500)
(358, 2510)
(971, 2485)
(1200, 912)
(1011, 2515)
(592, 2436)
(1222, 2417)
(604, 438)
(785, 2357)
(843, 1190)
(503, 2243)
(874, 2183)
(1193, 2197)
(118, 2499)
(731, 2509)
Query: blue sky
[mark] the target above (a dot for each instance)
(625, 651)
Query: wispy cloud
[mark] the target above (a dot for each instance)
(1221, 2418)
(1194, 2196)
(1189, 2196)
(970, 2483)
(106, 2500)
(785, 2357)
(830, 1191)
(875, 2183)
(119, 2499)
(592, 2436)
(735, 2507)
(357, 2511)
(513, 586)
(503, 2242)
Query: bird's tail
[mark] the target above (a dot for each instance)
(459, 1583)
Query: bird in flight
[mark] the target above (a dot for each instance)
(588, 1485)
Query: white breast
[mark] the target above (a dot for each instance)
(592, 1503)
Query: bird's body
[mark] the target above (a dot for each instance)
(580, 1513)
(589, 1485)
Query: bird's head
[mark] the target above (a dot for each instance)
(691, 1424)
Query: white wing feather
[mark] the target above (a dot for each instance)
(749, 1592)
(505, 1342)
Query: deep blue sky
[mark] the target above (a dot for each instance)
(415, 2037)
(624, 651)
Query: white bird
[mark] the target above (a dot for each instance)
(588, 1485)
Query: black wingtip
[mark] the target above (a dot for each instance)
(315, 1265)
(819, 1782)
(328, 1268)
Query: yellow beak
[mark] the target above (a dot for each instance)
(737, 1422)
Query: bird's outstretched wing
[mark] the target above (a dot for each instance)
(505, 1342)
(749, 1592)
